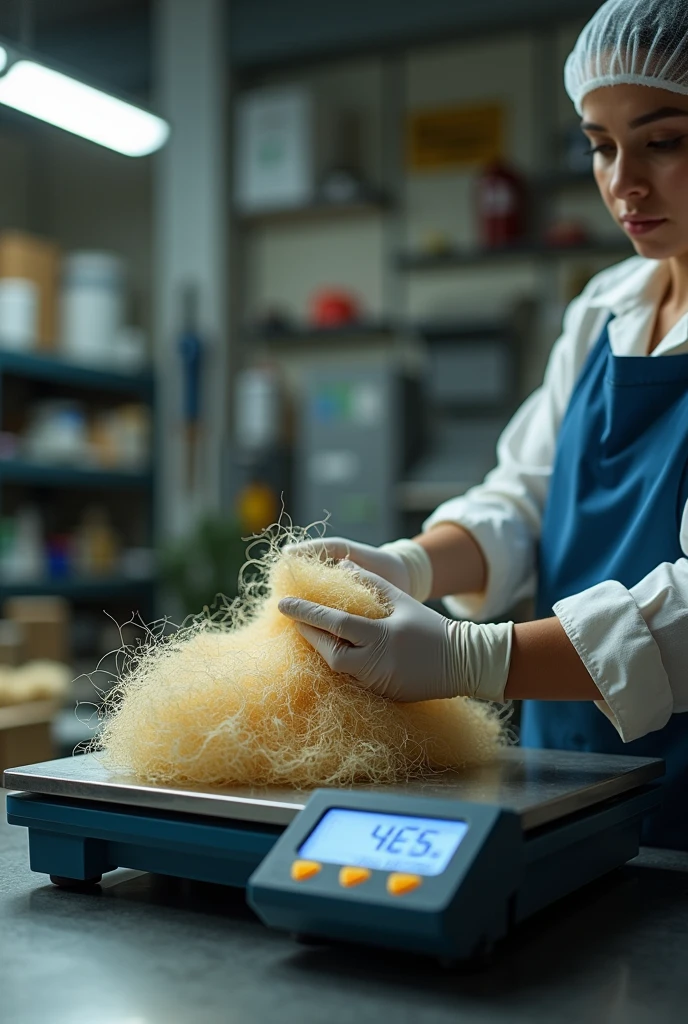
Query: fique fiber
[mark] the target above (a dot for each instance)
(246, 700)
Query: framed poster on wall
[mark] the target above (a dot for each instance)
(274, 146)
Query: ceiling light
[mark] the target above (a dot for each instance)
(67, 103)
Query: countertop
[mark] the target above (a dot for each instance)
(150, 950)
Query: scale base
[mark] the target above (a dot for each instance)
(76, 884)
(77, 842)
(578, 818)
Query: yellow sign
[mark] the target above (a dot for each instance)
(455, 137)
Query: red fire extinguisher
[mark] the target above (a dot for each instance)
(501, 205)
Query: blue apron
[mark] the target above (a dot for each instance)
(616, 497)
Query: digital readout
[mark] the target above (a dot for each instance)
(384, 842)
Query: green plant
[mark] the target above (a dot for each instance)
(204, 565)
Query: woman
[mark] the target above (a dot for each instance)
(587, 508)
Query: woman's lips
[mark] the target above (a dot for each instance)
(642, 226)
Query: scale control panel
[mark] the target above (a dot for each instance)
(398, 882)
(401, 872)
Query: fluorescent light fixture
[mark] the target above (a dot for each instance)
(78, 108)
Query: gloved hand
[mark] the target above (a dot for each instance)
(413, 654)
(402, 562)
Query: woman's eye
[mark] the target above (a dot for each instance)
(599, 149)
(664, 145)
(667, 143)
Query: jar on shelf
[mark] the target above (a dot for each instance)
(19, 299)
(92, 306)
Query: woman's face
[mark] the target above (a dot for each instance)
(639, 138)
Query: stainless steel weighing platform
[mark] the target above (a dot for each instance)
(536, 825)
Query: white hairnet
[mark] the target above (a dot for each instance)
(636, 42)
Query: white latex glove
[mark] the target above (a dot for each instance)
(414, 654)
(402, 562)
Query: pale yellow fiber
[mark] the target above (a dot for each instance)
(36, 680)
(247, 701)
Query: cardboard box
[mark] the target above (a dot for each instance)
(25, 734)
(45, 622)
(38, 260)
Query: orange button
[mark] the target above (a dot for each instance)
(303, 869)
(398, 883)
(353, 876)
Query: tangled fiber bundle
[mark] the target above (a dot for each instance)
(36, 680)
(246, 700)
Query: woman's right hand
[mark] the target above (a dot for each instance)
(403, 563)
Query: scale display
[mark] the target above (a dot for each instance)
(384, 842)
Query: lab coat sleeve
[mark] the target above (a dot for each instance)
(504, 513)
(634, 644)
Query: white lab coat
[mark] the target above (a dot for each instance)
(634, 642)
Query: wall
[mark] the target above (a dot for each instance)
(14, 176)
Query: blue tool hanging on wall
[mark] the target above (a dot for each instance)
(191, 351)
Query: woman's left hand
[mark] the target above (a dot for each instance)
(411, 655)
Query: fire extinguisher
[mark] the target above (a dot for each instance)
(501, 205)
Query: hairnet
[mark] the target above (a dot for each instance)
(636, 42)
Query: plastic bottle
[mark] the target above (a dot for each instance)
(25, 559)
(96, 544)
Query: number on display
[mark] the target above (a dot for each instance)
(404, 840)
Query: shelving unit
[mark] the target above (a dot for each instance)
(59, 376)
(402, 288)
(305, 334)
(97, 588)
(61, 371)
(318, 211)
(16, 471)
(473, 257)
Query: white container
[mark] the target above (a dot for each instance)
(57, 433)
(258, 409)
(92, 306)
(18, 314)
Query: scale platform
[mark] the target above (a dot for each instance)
(535, 825)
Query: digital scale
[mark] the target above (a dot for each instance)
(446, 865)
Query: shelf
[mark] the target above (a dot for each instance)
(59, 371)
(305, 334)
(475, 257)
(85, 589)
(556, 180)
(316, 211)
(425, 496)
(34, 474)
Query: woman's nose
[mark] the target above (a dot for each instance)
(627, 179)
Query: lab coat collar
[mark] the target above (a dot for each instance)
(633, 299)
(642, 285)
